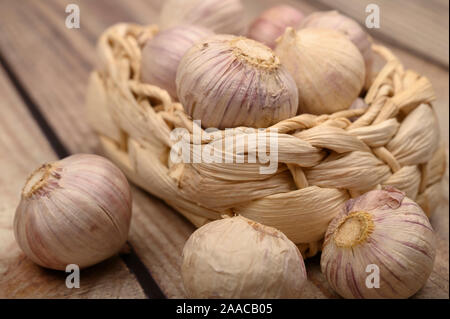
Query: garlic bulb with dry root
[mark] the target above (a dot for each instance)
(162, 54)
(73, 211)
(380, 246)
(327, 67)
(220, 16)
(271, 24)
(227, 81)
(349, 27)
(239, 258)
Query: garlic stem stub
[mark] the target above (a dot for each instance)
(381, 246)
(220, 16)
(162, 54)
(73, 211)
(327, 67)
(238, 258)
(270, 24)
(227, 81)
(347, 26)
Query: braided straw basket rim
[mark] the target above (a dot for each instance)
(324, 159)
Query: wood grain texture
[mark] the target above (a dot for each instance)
(418, 25)
(53, 63)
(63, 70)
(23, 148)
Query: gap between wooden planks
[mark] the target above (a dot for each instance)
(23, 148)
(53, 64)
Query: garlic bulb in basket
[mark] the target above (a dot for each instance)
(162, 54)
(220, 16)
(227, 81)
(380, 246)
(336, 21)
(239, 258)
(272, 23)
(73, 211)
(359, 103)
(327, 67)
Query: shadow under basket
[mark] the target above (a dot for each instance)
(323, 160)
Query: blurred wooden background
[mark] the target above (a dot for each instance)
(419, 26)
(44, 69)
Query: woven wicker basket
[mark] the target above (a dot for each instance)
(323, 160)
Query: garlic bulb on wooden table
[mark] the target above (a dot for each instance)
(380, 246)
(73, 211)
(227, 81)
(162, 54)
(239, 258)
(347, 26)
(220, 16)
(327, 67)
(270, 24)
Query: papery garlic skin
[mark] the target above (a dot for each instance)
(73, 211)
(227, 81)
(238, 258)
(327, 67)
(270, 24)
(162, 54)
(382, 228)
(349, 27)
(359, 103)
(220, 16)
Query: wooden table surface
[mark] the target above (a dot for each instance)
(44, 69)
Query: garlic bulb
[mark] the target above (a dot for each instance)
(162, 54)
(327, 67)
(227, 81)
(73, 211)
(359, 103)
(238, 258)
(380, 246)
(336, 21)
(220, 16)
(272, 23)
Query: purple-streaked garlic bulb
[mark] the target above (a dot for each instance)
(359, 103)
(327, 67)
(162, 54)
(73, 211)
(227, 81)
(268, 26)
(238, 258)
(352, 29)
(220, 16)
(380, 246)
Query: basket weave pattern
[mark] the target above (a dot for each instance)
(323, 160)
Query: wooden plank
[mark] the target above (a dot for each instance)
(23, 148)
(158, 233)
(60, 95)
(420, 26)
